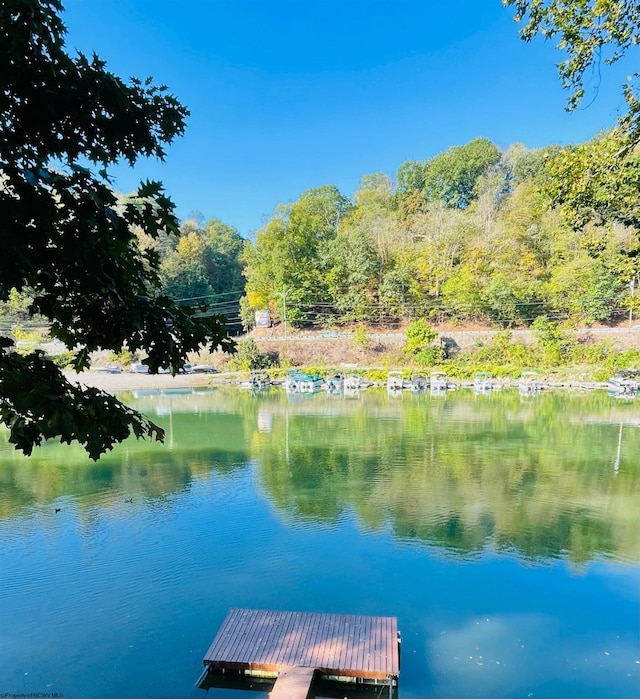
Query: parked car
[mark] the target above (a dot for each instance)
(139, 369)
(185, 369)
(107, 369)
(203, 369)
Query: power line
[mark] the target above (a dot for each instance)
(208, 296)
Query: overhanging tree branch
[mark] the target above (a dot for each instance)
(67, 238)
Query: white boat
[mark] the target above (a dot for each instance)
(352, 383)
(529, 384)
(482, 383)
(292, 381)
(395, 381)
(310, 383)
(418, 384)
(257, 381)
(624, 383)
(107, 369)
(334, 384)
(438, 382)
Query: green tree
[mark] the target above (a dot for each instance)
(401, 293)
(410, 178)
(205, 261)
(552, 340)
(288, 254)
(68, 240)
(451, 176)
(596, 181)
(505, 299)
(223, 251)
(353, 270)
(183, 271)
(592, 182)
(584, 290)
(16, 307)
(589, 32)
(441, 236)
(375, 213)
(248, 357)
(462, 293)
(525, 165)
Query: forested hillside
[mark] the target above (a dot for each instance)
(472, 234)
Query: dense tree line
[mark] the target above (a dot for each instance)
(470, 234)
(201, 266)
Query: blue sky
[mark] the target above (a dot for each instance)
(286, 95)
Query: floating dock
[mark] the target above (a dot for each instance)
(296, 647)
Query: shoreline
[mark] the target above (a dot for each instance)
(135, 382)
(124, 381)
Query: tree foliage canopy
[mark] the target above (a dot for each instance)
(453, 174)
(512, 236)
(204, 261)
(589, 32)
(68, 239)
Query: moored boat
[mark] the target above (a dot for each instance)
(529, 383)
(624, 383)
(310, 383)
(352, 383)
(292, 381)
(334, 384)
(483, 382)
(395, 381)
(438, 382)
(418, 384)
(257, 381)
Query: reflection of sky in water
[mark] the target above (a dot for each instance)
(485, 655)
(115, 598)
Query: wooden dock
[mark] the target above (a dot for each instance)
(297, 646)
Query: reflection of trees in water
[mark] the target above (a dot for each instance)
(536, 478)
(202, 443)
(145, 477)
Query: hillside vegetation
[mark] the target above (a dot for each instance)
(474, 234)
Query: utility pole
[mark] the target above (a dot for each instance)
(283, 293)
(632, 286)
(284, 305)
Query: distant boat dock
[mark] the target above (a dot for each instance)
(298, 647)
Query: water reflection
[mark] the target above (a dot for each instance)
(557, 476)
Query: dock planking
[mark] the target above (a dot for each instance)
(293, 683)
(297, 645)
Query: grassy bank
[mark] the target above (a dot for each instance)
(557, 355)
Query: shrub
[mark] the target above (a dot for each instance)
(360, 338)
(248, 357)
(377, 375)
(429, 356)
(554, 342)
(595, 353)
(247, 314)
(123, 358)
(316, 370)
(419, 336)
(64, 359)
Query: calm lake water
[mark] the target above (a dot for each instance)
(504, 533)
